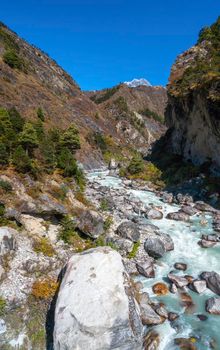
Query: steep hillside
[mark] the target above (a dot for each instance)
(30, 80)
(194, 100)
(137, 113)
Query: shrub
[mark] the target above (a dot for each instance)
(134, 251)
(153, 115)
(104, 205)
(108, 223)
(13, 60)
(136, 165)
(42, 245)
(44, 289)
(5, 185)
(106, 95)
(80, 196)
(68, 229)
(2, 306)
(40, 114)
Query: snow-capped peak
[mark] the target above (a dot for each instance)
(137, 82)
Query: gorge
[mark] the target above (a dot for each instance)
(109, 208)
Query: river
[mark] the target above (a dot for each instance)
(205, 334)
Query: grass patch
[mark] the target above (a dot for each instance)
(2, 306)
(44, 289)
(42, 245)
(5, 186)
(134, 251)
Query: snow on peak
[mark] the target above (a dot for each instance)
(137, 82)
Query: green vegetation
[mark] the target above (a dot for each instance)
(30, 148)
(68, 230)
(106, 95)
(108, 223)
(205, 68)
(150, 114)
(8, 39)
(40, 114)
(42, 245)
(142, 170)
(2, 306)
(5, 185)
(134, 251)
(104, 205)
(14, 60)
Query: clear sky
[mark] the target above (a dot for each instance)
(104, 42)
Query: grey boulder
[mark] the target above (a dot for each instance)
(213, 281)
(7, 240)
(129, 230)
(154, 247)
(94, 308)
(213, 306)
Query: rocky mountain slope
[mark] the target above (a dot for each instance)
(137, 113)
(29, 79)
(193, 109)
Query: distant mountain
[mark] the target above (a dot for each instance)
(137, 82)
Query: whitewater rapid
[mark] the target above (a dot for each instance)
(186, 250)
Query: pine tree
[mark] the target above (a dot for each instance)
(67, 163)
(4, 156)
(21, 160)
(70, 138)
(28, 138)
(16, 120)
(40, 114)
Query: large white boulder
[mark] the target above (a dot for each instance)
(95, 309)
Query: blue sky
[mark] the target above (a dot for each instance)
(104, 42)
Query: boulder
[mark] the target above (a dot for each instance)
(129, 230)
(154, 247)
(91, 223)
(160, 288)
(151, 340)
(149, 316)
(199, 286)
(172, 316)
(202, 317)
(167, 197)
(200, 205)
(7, 240)
(146, 268)
(213, 281)
(189, 210)
(112, 164)
(161, 311)
(154, 214)
(179, 281)
(206, 244)
(167, 241)
(94, 308)
(213, 306)
(124, 245)
(178, 216)
(173, 288)
(184, 198)
(180, 266)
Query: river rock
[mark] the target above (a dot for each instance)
(160, 288)
(167, 241)
(154, 214)
(213, 281)
(112, 164)
(124, 245)
(180, 266)
(172, 316)
(184, 198)
(129, 230)
(189, 210)
(152, 340)
(202, 317)
(213, 306)
(178, 216)
(185, 344)
(200, 205)
(146, 268)
(93, 309)
(206, 244)
(199, 286)
(149, 316)
(90, 223)
(167, 197)
(179, 281)
(211, 238)
(173, 288)
(154, 247)
(7, 240)
(161, 311)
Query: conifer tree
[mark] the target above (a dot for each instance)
(28, 138)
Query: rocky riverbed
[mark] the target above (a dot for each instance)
(170, 246)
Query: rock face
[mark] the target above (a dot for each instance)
(193, 102)
(94, 309)
(7, 240)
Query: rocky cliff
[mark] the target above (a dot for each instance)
(193, 110)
